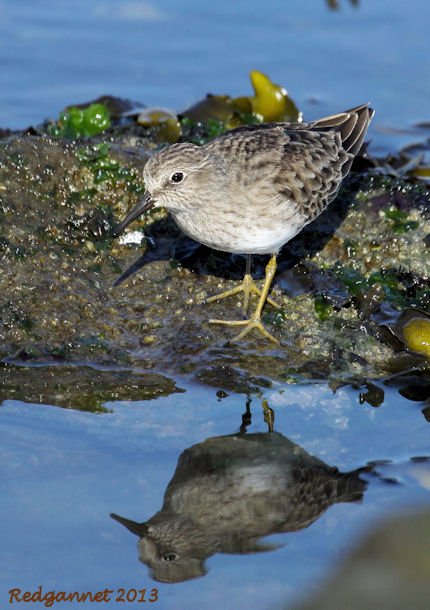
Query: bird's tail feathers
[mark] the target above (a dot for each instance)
(351, 124)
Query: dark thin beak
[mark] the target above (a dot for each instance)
(140, 529)
(143, 206)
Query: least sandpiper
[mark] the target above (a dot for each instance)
(254, 188)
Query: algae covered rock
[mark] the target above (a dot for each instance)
(341, 282)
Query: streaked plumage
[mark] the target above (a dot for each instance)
(254, 188)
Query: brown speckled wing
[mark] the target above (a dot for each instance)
(310, 172)
(303, 163)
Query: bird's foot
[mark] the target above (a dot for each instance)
(254, 322)
(248, 287)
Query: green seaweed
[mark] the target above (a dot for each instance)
(400, 221)
(199, 133)
(105, 169)
(77, 122)
(358, 285)
(323, 307)
(352, 279)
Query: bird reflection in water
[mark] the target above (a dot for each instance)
(227, 493)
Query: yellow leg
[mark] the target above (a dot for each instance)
(269, 415)
(247, 286)
(255, 320)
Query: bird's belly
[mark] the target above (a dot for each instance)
(237, 237)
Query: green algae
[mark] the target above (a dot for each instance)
(359, 285)
(76, 122)
(401, 222)
(201, 132)
(323, 307)
(104, 168)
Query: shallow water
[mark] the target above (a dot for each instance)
(63, 472)
(170, 53)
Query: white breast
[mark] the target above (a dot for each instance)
(228, 234)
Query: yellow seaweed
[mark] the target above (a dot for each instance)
(416, 334)
(165, 124)
(271, 101)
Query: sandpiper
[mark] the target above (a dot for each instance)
(252, 189)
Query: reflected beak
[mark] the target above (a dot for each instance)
(140, 529)
(143, 206)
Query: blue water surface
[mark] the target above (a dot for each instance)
(171, 53)
(62, 472)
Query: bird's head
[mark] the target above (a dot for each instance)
(175, 178)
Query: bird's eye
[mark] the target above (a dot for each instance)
(177, 177)
(170, 557)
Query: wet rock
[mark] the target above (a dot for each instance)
(389, 569)
(116, 106)
(80, 387)
(59, 302)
